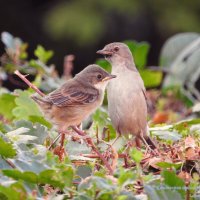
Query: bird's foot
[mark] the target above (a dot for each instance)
(151, 147)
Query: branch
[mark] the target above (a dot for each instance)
(10, 163)
(96, 156)
(23, 77)
(90, 143)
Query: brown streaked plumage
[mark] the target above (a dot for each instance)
(75, 100)
(126, 94)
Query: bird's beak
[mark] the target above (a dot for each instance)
(109, 77)
(104, 52)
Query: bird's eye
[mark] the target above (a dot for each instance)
(116, 49)
(99, 76)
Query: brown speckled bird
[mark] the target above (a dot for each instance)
(74, 101)
(127, 104)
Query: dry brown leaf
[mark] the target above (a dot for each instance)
(191, 154)
(189, 142)
(185, 176)
(160, 117)
(153, 161)
(115, 158)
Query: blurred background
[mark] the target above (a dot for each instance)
(81, 27)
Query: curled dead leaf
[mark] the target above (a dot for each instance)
(185, 176)
(191, 154)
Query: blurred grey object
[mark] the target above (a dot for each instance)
(181, 56)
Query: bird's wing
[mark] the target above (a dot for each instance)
(145, 93)
(148, 102)
(73, 95)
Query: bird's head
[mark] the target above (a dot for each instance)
(117, 53)
(96, 76)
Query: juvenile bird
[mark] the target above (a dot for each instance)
(75, 100)
(127, 104)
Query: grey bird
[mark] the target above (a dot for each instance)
(75, 100)
(127, 104)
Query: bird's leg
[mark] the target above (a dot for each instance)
(150, 146)
(80, 126)
(137, 142)
(76, 136)
(91, 144)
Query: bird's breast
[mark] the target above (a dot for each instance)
(126, 102)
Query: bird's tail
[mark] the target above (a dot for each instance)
(41, 102)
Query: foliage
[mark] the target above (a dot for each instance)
(180, 55)
(29, 170)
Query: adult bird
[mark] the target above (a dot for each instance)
(127, 104)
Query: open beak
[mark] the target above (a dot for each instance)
(104, 52)
(109, 77)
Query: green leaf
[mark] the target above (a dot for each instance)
(50, 177)
(136, 155)
(19, 135)
(12, 43)
(100, 117)
(98, 182)
(104, 64)
(25, 106)
(167, 135)
(181, 55)
(7, 102)
(6, 149)
(18, 175)
(122, 197)
(174, 45)
(160, 192)
(151, 78)
(140, 51)
(43, 54)
(176, 183)
(166, 165)
(126, 177)
(57, 178)
(186, 124)
(60, 179)
(14, 192)
(41, 120)
(37, 130)
(102, 121)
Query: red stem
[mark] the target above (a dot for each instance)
(90, 143)
(29, 83)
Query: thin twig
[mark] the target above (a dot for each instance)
(68, 66)
(10, 163)
(55, 140)
(122, 155)
(23, 77)
(90, 143)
